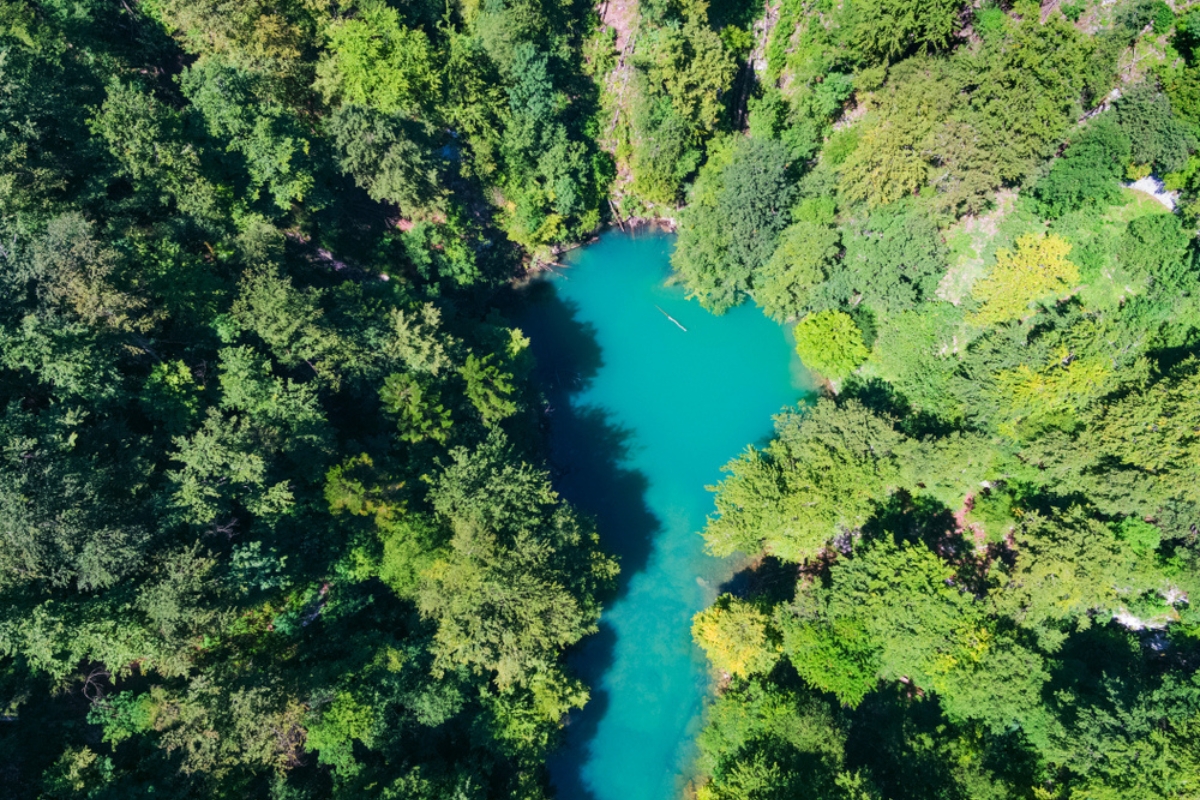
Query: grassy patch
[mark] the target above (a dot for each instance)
(973, 242)
(1093, 234)
(1135, 204)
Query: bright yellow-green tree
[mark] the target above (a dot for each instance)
(830, 343)
(1062, 387)
(375, 61)
(886, 166)
(1038, 270)
(733, 634)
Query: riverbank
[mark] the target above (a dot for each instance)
(626, 393)
(535, 267)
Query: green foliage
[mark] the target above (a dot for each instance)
(78, 773)
(270, 39)
(830, 343)
(1187, 34)
(1031, 397)
(1067, 569)
(549, 181)
(289, 320)
(257, 496)
(914, 352)
(689, 64)
(1158, 247)
(1142, 537)
(520, 571)
(884, 167)
(915, 138)
(1163, 17)
(1029, 78)
(341, 722)
(252, 570)
(1037, 271)
(416, 403)
(894, 259)
(78, 274)
(269, 137)
(170, 396)
(1073, 11)
(739, 206)
(489, 389)
(763, 741)
(682, 70)
(348, 486)
(55, 529)
(375, 61)
(755, 196)
(1157, 139)
(230, 378)
(389, 157)
(446, 252)
(734, 636)
(787, 284)
(1152, 434)
(886, 29)
(665, 153)
(1089, 172)
(990, 527)
(1135, 15)
(923, 638)
(821, 475)
(124, 715)
(147, 139)
(412, 546)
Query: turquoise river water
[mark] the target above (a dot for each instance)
(642, 415)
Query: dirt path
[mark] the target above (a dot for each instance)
(622, 17)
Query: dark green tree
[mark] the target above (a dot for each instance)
(1089, 172)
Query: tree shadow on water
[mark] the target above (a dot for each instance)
(590, 660)
(589, 452)
(589, 455)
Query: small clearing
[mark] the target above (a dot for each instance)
(970, 241)
(620, 16)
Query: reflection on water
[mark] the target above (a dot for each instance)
(642, 415)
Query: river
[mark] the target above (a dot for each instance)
(648, 395)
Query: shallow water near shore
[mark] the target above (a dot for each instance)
(648, 395)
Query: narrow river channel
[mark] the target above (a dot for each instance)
(649, 395)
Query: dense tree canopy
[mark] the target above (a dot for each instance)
(973, 556)
(1089, 170)
(275, 516)
(273, 522)
(729, 230)
(830, 343)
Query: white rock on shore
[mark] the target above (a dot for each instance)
(1153, 187)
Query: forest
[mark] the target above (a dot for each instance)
(972, 556)
(276, 517)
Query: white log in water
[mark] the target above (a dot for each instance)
(668, 316)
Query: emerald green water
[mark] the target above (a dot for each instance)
(642, 415)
